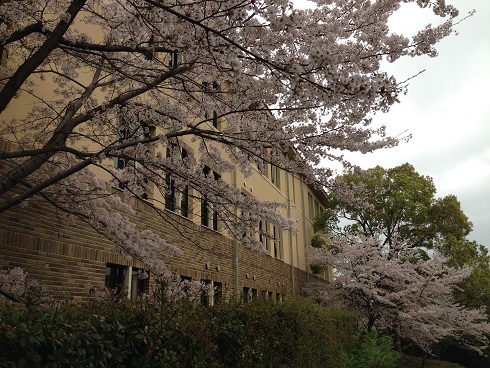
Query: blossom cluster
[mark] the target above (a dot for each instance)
(396, 287)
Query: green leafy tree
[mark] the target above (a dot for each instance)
(397, 201)
(475, 290)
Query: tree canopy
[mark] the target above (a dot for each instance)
(396, 202)
(87, 82)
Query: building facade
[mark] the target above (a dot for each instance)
(70, 258)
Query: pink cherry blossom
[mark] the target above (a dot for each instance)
(296, 87)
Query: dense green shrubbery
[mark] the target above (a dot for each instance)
(106, 334)
(152, 333)
(290, 334)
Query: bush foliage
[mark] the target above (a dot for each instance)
(372, 351)
(155, 333)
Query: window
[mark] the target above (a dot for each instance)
(277, 242)
(130, 135)
(212, 294)
(122, 135)
(218, 292)
(185, 279)
(206, 86)
(266, 168)
(176, 200)
(263, 161)
(174, 59)
(213, 116)
(275, 176)
(247, 222)
(263, 230)
(311, 209)
(120, 162)
(114, 277)
(279, 297)
(209, 218)
(207, 292)
(247, 295)
(130, 281)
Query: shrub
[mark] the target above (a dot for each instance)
(295, 333)
(372, 351)
(156, 333)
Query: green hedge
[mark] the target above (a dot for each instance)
(152, 333)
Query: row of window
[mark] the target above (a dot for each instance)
(314, 207)
(176, 199)
(132, 282)
(251, 294)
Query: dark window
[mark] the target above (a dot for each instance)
(176, 200)
(138, 283)
(209, 218)
(174, 60)
(247, 295)
(214, 117)
(204, 212)
(170, 197)
(263, 229)
(185, 283)
(218, 292)
(275, 176)
(185, 279)
(122, 135)
(206, 293)
(277, 242)
(116, 279)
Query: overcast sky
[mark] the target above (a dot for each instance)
(447, 110)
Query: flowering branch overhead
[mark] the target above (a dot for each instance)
(118, 80)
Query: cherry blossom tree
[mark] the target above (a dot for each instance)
(87, 82)
(397, 288)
